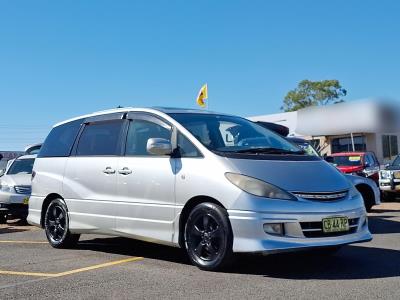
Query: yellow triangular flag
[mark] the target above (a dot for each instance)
(203, 95)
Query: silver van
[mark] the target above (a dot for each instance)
(214, 184)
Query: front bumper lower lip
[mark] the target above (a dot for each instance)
(249, 235)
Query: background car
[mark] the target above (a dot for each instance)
(389, 180)
(15, 188)
(357, 163)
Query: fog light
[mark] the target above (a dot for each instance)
(274, 228)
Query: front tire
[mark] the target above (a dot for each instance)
(208, 237)
(56, 226)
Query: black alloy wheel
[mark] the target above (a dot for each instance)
(208, 237)
(57, 226)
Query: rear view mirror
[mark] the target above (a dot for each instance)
(158, 146)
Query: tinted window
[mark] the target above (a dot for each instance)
(60, 140)
(140, 131)
(21, 166)
(186, 148)
(101, 138)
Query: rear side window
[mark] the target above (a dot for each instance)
(60, 140)
(103, 138)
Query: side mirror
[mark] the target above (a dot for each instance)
(329, 159)
(2, 171)
(158, 146)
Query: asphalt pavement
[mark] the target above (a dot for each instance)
(118, 268)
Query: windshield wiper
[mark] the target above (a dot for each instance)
(269, 151)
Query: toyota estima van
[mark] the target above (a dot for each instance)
(214, 184)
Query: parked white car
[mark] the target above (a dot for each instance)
(15, 188)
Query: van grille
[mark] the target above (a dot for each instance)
(314, 229)
(23, 189)
(321, 196)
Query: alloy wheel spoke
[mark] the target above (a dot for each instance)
(216, 233)
(55, 212)
(199, 249)
(211, 249)
(206, 220)
(196, 231)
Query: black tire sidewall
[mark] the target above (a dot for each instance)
(221, 215)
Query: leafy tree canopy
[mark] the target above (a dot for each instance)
(313, 93)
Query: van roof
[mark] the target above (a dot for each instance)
(166, 110)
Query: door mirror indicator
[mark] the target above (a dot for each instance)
(159, 146)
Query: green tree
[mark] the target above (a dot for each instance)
(313, 93)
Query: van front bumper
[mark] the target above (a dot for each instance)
(301, 230)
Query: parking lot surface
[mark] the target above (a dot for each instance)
(117, 268)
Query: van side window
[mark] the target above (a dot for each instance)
(186, 147)
(60, 140)
(140, 131)
(102, 138)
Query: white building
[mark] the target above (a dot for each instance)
(365, 125)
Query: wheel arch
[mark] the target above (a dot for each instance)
(193, 202)
(367, 193)
(46, 204)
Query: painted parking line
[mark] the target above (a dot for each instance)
(24, 242)
(75, 271)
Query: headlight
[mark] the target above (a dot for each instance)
(386, 175)
(5, 187)
(258, 187)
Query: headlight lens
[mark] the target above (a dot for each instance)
(258, 187)
(386, 175)
(5, 187)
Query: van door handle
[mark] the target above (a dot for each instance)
(109, 170)
(125, 171)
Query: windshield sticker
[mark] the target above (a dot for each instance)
(354, 158)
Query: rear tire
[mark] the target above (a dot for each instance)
(208, 237)
(56, 226)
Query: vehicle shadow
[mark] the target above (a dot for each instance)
(11, 229)
(352, 262)
(383, 224)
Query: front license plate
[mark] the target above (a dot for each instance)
(26, 201)
(335, 224)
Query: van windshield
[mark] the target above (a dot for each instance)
(21, 166)
(222, 133)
